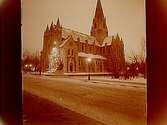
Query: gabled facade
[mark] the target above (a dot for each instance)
(68, 50)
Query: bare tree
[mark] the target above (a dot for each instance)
(31, 60)
(138, 61)
(142, 55)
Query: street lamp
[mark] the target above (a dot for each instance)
(40, 64)
(26, 65)
(137, 69)
(89, 61)
(127, 68)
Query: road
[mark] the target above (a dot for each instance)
(111, 104)
(39, 111)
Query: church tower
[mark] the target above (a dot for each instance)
(99, 27)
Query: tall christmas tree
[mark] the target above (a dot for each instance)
(55, 61)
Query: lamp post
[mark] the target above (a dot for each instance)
(137, 69)
(40, 67)
(127, 72)
(127, 68)
(89, 61)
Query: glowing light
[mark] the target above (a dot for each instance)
(54, 60)
(89, 59)
(55, 42)
(30, 65)
(128, 68)
(26, 65)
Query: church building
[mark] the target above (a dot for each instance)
(73, 52)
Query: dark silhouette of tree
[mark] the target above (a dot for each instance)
(31, 62)
(138, 61)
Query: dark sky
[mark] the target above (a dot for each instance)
(126, 17)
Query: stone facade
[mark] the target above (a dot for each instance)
(71, 49)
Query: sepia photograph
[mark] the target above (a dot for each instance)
(84, 62)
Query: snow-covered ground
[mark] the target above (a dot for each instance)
(112, 104)
(139, 80)
(104, 77)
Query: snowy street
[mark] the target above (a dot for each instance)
(39, 111)
(112, 102)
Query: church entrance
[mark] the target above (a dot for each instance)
(101, 67)
(71, 67)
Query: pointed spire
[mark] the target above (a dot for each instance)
(121, 39)
(52, 23)
(58, 22)
(99, 23)
(51, 26)
(117, 37)
(99, 10)
(47, 28)
(113, 37)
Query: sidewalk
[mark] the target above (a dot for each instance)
(96, 77)
(138, 80)
(103, 79)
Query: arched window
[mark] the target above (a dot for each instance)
(95, 25)
(72, 52)
(68, 51)
(89, 48)
(100, 66)
(79, 62)
(85, 48)
(109, 50)
(71, 67)
(82, 47)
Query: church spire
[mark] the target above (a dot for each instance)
(99, 11)
(99, 27)
(58, 22)
(47, 28)
(117, 37)
(51, 26)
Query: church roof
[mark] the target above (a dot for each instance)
(107, 41)
(68, 33)
(110, 40)
(65, 41)
(79, 36)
